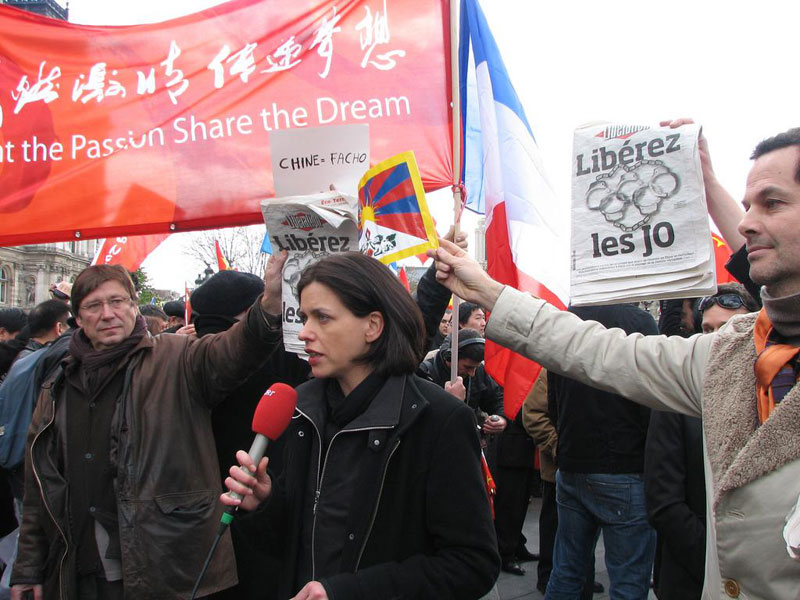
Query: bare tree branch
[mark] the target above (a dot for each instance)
(241, 246)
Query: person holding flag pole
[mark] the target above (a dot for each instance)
(742, 380)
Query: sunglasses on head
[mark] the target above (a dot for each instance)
(729, 301)
(59, 294)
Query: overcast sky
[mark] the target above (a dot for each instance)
(731, 66)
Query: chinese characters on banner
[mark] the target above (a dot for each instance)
(148, 129)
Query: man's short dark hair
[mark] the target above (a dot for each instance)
(465, 310)
(151, 310)
(13, 319)
(45, 315)
(364, 285)
(777, 142)
(93, 277)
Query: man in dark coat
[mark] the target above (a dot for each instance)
(123, 509)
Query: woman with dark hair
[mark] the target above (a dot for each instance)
(381, 494)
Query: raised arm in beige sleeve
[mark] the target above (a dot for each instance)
(662, 372)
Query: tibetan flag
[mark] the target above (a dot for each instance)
(526, 226)
(722, 253)
(394, 221)
(222, 262)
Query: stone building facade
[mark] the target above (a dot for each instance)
(48, 8)
(27, 272)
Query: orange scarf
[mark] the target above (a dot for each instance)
(770, 360)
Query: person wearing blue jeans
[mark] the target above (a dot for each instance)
(589, 503)
(599, 482)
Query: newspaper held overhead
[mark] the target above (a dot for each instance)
(309, 228)
(639, 219)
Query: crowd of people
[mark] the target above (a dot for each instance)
(677, 439)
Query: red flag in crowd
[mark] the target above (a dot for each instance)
(721, 255)
(403, 277)
(222, 262)
(187, 310)
(129, 251)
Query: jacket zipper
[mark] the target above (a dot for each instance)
(377, 504)
(316, 492)
(44, 500)
(321, 474)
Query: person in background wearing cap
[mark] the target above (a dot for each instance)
(61, 291)
(473, 385)
(218, 304)
(176, 312)
(121, 495)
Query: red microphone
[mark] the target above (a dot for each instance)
(272, 417)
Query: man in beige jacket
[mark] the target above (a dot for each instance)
(751, 423)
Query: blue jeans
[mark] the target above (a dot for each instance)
(615, 504)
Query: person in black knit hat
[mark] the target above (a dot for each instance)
(217, 305)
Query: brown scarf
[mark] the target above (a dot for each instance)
(773, 359)
(97, 365)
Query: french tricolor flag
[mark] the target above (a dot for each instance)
(527, 232)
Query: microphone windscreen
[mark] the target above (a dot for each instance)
(274, 411)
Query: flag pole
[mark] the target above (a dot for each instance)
(457, 199)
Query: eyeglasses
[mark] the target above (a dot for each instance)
(729, 301)
(115, 303)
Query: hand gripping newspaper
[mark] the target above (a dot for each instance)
(640, 227)
(309, 227)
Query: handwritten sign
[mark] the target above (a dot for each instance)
(309, 160)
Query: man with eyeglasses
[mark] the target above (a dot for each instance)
(121, 473)
(742, 380)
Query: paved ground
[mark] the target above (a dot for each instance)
(512, 587)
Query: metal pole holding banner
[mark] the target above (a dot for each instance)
(457, 199)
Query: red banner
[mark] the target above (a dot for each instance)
(108, 131)
(128, 251)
